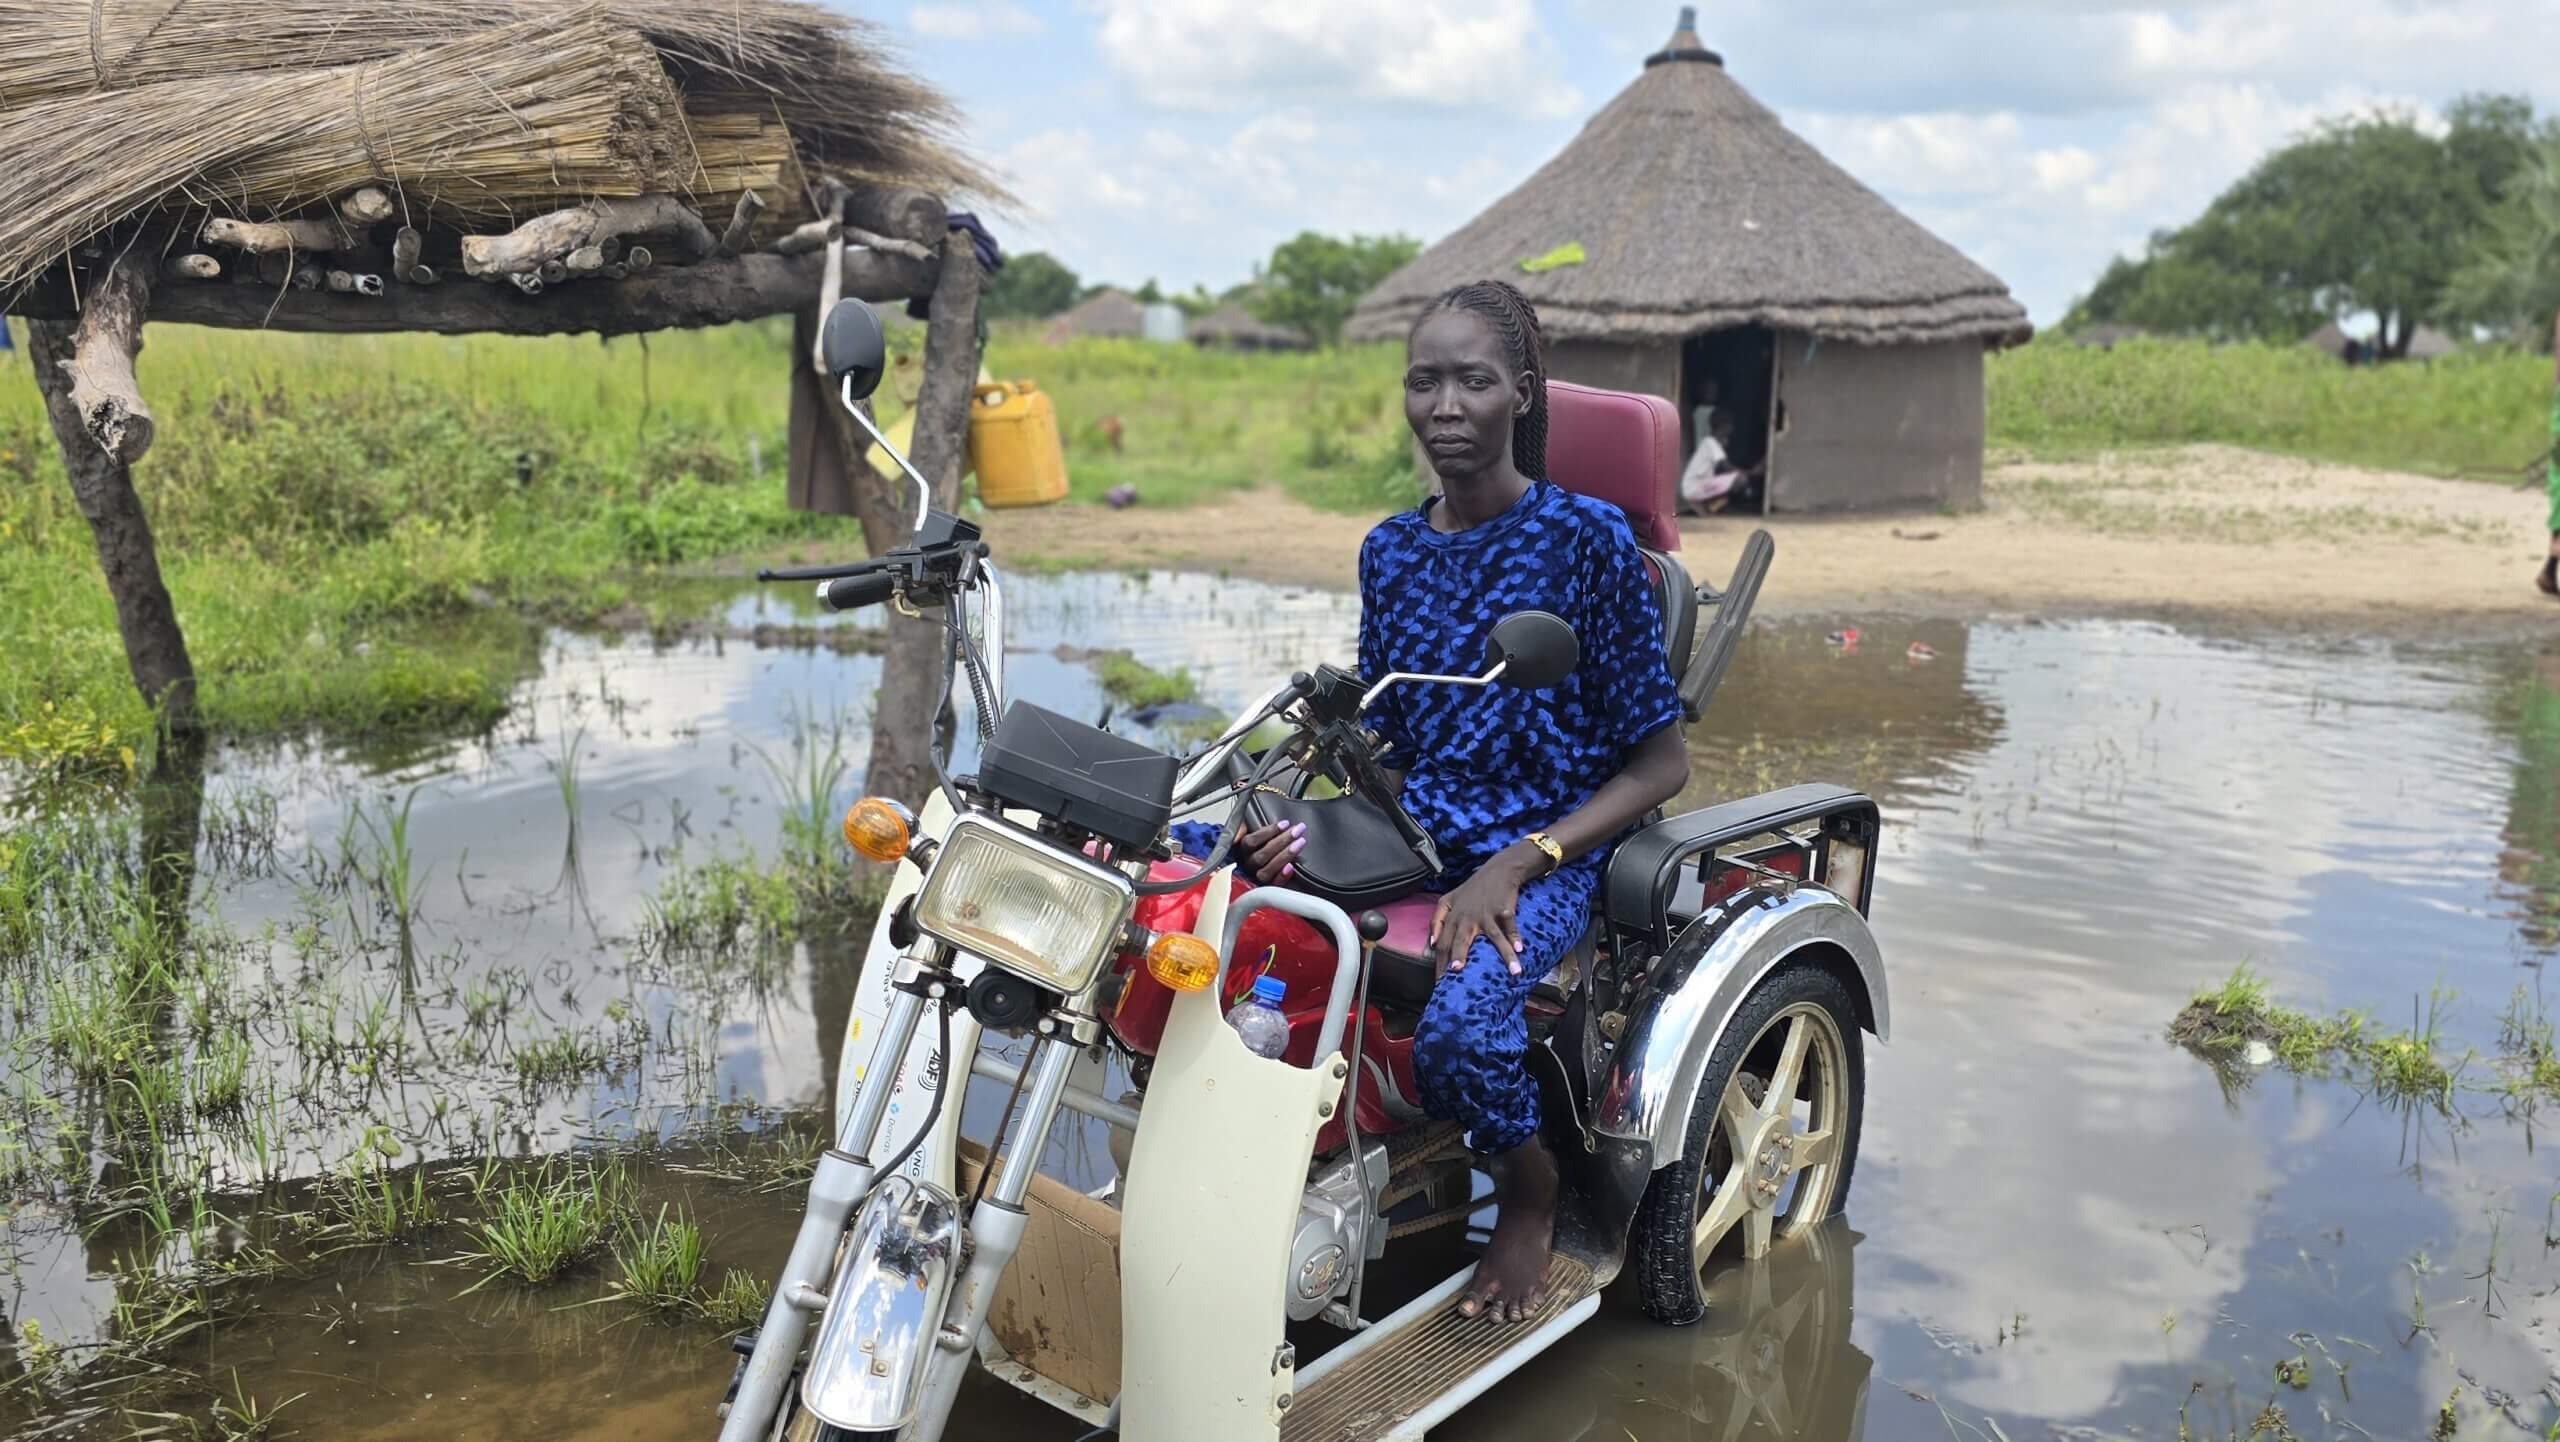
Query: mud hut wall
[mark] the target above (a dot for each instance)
(1877, 426)
(1652, 369)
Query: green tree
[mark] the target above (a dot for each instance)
(1313, 281)
(1031, 284)
(2367, 213)
(2512, 280)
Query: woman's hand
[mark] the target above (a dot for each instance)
(1485, 905)
(1268, 854)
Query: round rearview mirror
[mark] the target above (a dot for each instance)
(851, 347)
(1535, 650)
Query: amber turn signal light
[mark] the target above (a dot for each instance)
(1182, 961)
(879, 829)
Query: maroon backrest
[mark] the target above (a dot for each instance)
(1622, 448)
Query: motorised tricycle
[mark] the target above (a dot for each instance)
(1699, 1054)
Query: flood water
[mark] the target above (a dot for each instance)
(2061, 1224)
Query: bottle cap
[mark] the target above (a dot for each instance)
(1270, 989)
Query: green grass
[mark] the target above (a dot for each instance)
(738, 1303)
(710, 909)
(1132, 682)
(352, 528)
(541, 1223)
(658, 1268)
(2219, 1022)
(2483, 414)
(560, 1059)
(1195, 424)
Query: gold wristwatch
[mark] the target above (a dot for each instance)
(1547, 844)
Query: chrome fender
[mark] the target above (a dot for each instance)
(1682, 1011)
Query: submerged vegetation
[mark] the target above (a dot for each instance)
(2238, 1025)
(360, 1078)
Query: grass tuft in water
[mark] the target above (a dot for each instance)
(738, 1303)
(560, 1058)
(712, 910)
(542, 1223)
(2220, 1022)
(659, 1266)
(1133, 682)
(393, 869)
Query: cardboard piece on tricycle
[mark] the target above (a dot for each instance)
(1057, 1311)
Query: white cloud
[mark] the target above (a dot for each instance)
(1938, 154)
(1186, 204)
(974, 22)
(1216, 54)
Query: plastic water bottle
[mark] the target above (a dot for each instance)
(1257, 1018)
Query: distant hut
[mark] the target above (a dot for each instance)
(2428, 343)
(2425, 343)
(1720, 255)
(1107, 312)
(1232, 327)
(2333, 339)
(2106, 335)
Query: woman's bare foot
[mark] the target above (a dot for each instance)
(1508, 1284)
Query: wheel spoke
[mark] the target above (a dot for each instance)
(1724, 1209)
(1790, 1071)
(1739, 1116)
(1756, 1231)
(1814, 1149)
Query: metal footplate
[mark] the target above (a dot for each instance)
(1410, 1371)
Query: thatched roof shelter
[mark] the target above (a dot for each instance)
(1685, 209)
(1110, 311)
(474, 165)
(1232, 327)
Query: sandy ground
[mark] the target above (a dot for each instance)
(2196, 533)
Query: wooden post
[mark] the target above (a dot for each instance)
(64, 355)
(911, 670)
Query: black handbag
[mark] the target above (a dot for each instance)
(1355, 857)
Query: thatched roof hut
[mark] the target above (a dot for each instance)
(474, 165)
(1107, 312)
(1687, 237)
(1232, 327)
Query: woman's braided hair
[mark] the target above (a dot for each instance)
(1515, 324)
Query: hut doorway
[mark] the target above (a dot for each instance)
(1732, 373)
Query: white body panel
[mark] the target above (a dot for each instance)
(1211, 1205)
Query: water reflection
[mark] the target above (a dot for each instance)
(1774, 1361)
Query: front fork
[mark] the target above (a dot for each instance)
(844, 1175)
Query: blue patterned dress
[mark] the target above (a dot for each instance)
(1486, 768)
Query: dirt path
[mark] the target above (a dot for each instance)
(2200, 532)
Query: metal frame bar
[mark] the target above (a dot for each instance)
(1077, 1098)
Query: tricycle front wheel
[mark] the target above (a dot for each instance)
(1771, 1141)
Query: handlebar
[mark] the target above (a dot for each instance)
(852, 593)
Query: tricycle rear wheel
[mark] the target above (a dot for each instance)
(1771, 1142)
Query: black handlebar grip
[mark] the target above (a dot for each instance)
(855, 592)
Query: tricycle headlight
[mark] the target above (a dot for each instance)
(1041, 913)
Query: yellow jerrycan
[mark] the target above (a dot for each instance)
(1013, 445)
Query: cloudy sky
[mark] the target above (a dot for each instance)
(1182, 139)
